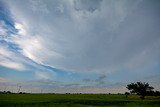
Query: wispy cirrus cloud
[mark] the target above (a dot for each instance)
(8, 61)
(12, 65)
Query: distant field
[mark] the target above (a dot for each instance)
(76, 100)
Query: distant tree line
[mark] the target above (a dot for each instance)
(9, 92)
(5, 92)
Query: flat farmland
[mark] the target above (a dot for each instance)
(76, 100)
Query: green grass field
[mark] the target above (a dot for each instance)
(76, 100)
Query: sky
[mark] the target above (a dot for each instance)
(79, 46)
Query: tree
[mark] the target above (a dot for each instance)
(140, 88)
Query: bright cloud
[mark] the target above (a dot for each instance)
(21, 29)
(12, 65)
(32, 45)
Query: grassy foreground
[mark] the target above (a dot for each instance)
(76, 100)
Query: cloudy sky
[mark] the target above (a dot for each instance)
(93, 46)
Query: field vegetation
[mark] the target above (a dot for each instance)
(77, 100)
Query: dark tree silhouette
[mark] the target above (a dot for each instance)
(140, 88)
